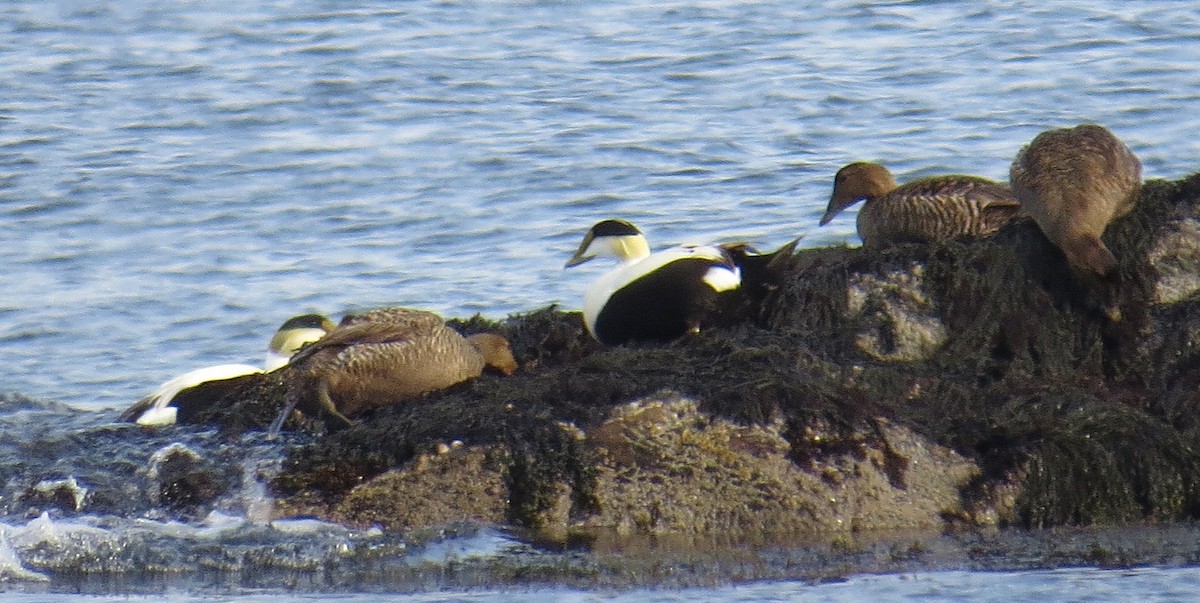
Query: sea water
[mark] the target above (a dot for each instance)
(177, 178)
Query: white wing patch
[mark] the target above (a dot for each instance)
(161, 414)
(722, 278)
(158, 417)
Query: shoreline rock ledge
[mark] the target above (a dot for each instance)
(972, 382)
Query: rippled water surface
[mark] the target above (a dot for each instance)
(177, 178)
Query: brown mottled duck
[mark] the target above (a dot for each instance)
(384, 357)
(1074, 182)
(929, 209)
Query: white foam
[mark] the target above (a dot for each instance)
(217, 522)
(51, 486)
(215, 525)
(65, 535)
(487, 543)
(11, 567)
(304, 527)
(257, 503)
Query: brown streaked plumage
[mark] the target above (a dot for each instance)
(1075, 182)
(929, 209)
(387, 356)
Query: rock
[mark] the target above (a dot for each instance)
(184, 482)
(975, 381)
(906, 325)
(666, 467)
(432, 490)
(65, 495)
(1175, 256)
(663, 466)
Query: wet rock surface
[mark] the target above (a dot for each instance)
(973, 381)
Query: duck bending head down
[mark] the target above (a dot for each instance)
(1075, 182)
(385, 357)
(651, 296)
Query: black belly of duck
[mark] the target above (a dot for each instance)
(660, 306)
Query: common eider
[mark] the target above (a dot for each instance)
(212, 383)
(293, 334)
(934, 208)
(651, 296)
(383, 357)
(1075, 182)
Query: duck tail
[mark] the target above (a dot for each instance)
(780, 257)
(761, 273)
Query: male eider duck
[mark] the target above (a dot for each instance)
(929, 209)
(1075, 182)
(212, 383)
(651, 296)
(383, 357)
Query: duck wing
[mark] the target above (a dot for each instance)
(377, 327)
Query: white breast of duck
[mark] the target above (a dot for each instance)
(651, 296)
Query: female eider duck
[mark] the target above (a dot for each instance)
(929, 209)
(211, 383)
(383, 357)
(651, 296)
(1075, 182)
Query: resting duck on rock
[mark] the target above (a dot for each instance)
(659, 296)
(384, 357)
(211, 383)
(929, 209)
(1075, 182)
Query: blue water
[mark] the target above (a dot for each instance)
(1060, 586)
(1149, 585)
(177, 178)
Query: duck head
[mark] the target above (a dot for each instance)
(855, 182)
(612, 238)
(496, 351)
(295, 333)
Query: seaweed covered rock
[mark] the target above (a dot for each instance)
(666, 467)
(971, 380)
(663, 466)
(1076, 413)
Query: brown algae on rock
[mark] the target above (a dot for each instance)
(1031, 407)
(667, 467)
